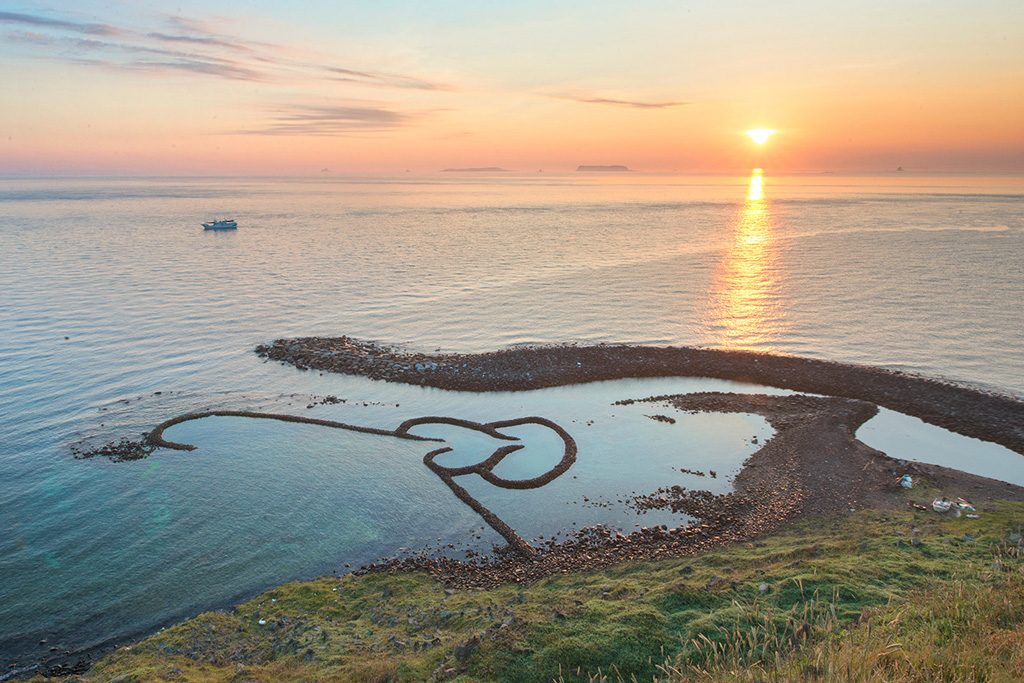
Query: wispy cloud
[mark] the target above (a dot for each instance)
(47, 22)
(187, 24)
(195, 66)
(383, 80)
(634, 104)
(186, 45)
(181, 65)
(131, 57)
(333, 121)
(204, 40)
(112, 47)
(100, 45)
(28, 37)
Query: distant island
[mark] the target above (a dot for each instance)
(488, 169)
(614, 167)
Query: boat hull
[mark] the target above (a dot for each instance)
(220, 225)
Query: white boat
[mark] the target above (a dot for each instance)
(221, 224)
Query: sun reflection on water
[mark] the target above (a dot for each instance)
(756, 186)
(744, 303)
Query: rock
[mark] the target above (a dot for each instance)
(464, 649)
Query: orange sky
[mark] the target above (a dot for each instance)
(217, 87)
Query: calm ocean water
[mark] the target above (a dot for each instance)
(120, 311)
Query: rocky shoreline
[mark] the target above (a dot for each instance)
(964, 410)
(813, 464)
(770, 491)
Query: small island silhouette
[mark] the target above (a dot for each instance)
(613, 167)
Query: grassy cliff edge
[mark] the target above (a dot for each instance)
(877, 595)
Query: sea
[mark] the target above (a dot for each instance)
(118, 311)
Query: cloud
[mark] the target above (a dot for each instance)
(186, 45)
(204, 40)
(170, 60)
(187, 24)
(132, 44)
(32, 20)
(333, 121)
(383, 80)
(208, 68)
(29, 37)
(180, 65)
(634, 104)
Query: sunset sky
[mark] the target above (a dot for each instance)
(224, 86)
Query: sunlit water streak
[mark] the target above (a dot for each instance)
(745, 296)
(111, 292)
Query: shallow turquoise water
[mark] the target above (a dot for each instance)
(120, 547)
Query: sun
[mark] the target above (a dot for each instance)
(760, 135)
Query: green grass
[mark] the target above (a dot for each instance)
(880, 595)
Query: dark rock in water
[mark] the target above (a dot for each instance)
(118, 451)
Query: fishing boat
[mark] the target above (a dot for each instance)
(221, 224)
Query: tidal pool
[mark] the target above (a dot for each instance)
(908, 438)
